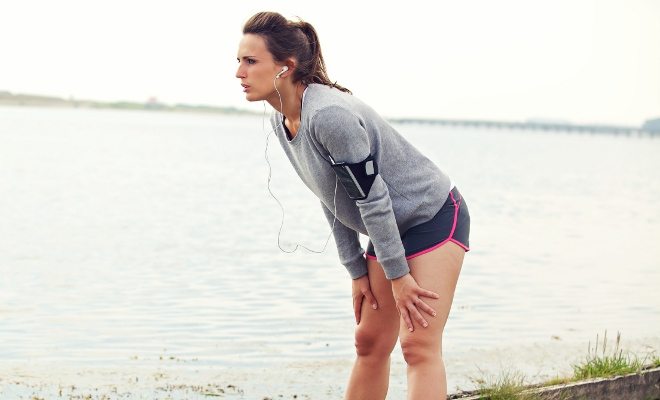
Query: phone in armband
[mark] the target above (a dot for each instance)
(356, 178)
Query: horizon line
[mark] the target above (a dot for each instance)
(152, 103)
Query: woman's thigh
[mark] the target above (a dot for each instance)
(381, 324)
(438, 271)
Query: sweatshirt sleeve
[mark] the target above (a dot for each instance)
(351, 254)
(343, 136)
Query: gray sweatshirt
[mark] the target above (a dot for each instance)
(408, 190)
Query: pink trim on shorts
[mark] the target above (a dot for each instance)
(449, 239)
(436, 246)
(457, 206)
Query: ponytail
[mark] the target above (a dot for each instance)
(319, 73)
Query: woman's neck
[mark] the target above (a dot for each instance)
(291, 102)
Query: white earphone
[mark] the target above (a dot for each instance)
(284, 69)
(279, 233)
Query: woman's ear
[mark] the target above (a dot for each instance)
(290, 64)
(283, 70)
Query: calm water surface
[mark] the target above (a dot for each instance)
(129, 237)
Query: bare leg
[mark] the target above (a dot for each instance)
(438, 271)
(375, 338)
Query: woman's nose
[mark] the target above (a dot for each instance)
(240, 72)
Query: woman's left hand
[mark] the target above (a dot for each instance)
(407, 296)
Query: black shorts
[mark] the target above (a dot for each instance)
(450, 224)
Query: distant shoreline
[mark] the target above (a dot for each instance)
(649, 128)
(19, 99)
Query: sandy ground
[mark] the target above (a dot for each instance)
(325, 380)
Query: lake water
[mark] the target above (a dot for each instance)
(134, 244)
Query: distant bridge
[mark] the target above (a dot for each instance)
(536, 126)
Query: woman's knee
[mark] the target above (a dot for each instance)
(418, 348)
(374, 341)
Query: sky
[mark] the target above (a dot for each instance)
(581, 61)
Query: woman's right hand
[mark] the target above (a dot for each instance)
(361, 290)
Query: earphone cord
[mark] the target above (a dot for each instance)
(273, 195)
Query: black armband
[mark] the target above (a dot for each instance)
(356, 178)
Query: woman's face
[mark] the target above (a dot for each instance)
(256, 68)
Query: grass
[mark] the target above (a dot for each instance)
(606, 364)
(597, 364)
(655, 362)
(508, 386)
(558, 380)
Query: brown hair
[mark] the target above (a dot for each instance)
(299, 40)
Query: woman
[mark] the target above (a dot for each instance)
(369, 180)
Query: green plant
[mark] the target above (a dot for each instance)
(655, 362)
(508, 386)
(557, 381)
(606, 364)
